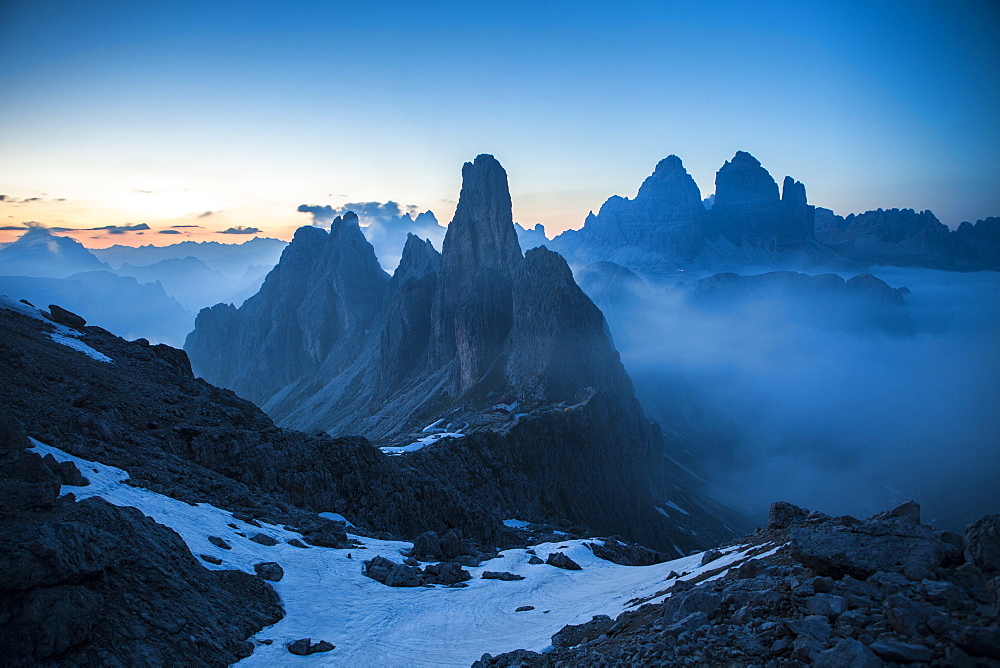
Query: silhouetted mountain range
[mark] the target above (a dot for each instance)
(746, 223)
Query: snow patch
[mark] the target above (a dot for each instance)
(70, 341)
(516, 524)
(422, 442)
(677, 508)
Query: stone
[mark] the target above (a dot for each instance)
(560, 560)
(524, 608)
(574, 634)
(305, 647)
(269, 570)
(909, 512)
(827, 605)
(782, 514)
(982, 539)
(210, 559)
(451, 544)
(501, 575)
(427, 545)
(816, 627)
(218, 542)
(447, 573)
(901, 652)
(534, 560)
(264, 539)
(295, 542)
(847, 653)
(64, 317)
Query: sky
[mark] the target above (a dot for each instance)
(198, 118)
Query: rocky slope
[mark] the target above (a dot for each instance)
(840, 592)
(78, 586)
(476, 327)
(144, 411)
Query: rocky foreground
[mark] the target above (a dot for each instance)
(841, 592)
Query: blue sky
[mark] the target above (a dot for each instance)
(160, 111)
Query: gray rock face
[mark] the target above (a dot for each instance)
(666, 222)
(748, 210)
(471, 314)
(313, 313)
(88, 583)
(982, 540)
(573, 635)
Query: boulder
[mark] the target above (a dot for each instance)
(446, 573)
(900, 652)
(783, 514)
(218, 542)
(501, 575)
(982, 543)
(264, 539)
(848, 653)
(305, 647)
(427, 546)
(64, 317)
(574, 634)
(269, 570)
(560, 560)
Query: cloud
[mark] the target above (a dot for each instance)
(181, 226)
(239, 229)
(777, 405)
(8, 228)
(119, 229)
(14, 200)
(169, 232)
(206, 214)
(368, 212)
(144, 192)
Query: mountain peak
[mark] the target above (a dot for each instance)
(482, 232)
(670, 165)
(742, 160)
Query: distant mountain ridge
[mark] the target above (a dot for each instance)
(40, 253)
(747, 222)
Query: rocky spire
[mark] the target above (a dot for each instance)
(472, 305)
(481, 235)
(404, 338)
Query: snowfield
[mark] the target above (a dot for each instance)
(326, 596)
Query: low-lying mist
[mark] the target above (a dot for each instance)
(778, 401)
